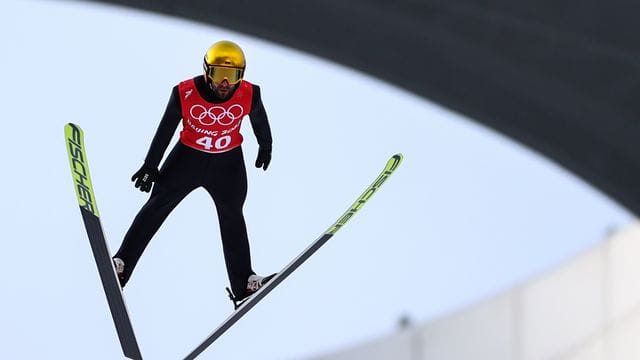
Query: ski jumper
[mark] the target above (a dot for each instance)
(208, 155)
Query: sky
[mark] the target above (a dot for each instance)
(469, 214)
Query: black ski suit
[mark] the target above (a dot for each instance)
(222, 175)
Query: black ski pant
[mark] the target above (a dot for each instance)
(224, 177)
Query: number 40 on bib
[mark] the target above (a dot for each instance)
(208, 144)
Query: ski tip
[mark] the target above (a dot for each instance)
(394, 161)
(71, 127)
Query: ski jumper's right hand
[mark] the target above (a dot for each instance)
(145, 177)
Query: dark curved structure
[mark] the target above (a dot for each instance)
(562, 77)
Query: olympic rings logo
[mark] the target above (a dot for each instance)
(217, 114)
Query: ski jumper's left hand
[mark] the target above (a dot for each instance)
(264, 157)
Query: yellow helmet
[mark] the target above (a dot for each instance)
(224, 60)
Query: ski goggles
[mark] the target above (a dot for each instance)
(217, 74)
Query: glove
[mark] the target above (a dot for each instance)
(145, 177)
(264, 157)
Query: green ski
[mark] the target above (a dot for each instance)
(74, 137)
(244, 307)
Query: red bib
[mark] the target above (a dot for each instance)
(213, 127)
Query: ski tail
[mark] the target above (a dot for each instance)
(74, 137)
(244, 307)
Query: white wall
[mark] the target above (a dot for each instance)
(587, 309)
